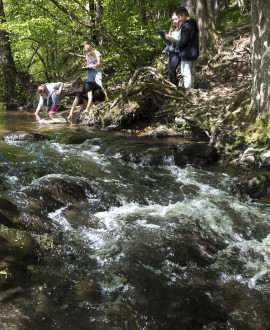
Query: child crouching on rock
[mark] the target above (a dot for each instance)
(49, 96)
(87, 94)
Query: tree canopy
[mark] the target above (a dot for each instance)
(46, 37)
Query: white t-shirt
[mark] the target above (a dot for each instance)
(176, 35)
(93, 60)
(52, 87)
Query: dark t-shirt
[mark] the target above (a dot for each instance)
(88, 87)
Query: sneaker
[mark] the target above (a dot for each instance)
(54, 110)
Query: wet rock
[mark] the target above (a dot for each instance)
(18, 249)
(199, 134)
(9, 213)
(12, 217)
(74, 138)
(54, 191)
(195, 153)
(180, 121)
(36, 223)
(35, 136)
(53, 120)
(189, 247)
(248, 157)
(10, 153)
(164, 132)
(256, 188)
(10, 315)
(265, 158)
(192, 121)
(144, 160)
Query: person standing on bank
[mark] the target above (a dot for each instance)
(93, 58)
(174, 36)
(188, 45)
(87, 94)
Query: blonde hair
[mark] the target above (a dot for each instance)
(89, 49)
(42, 89)
(175, 28)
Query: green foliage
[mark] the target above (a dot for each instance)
(45, 241)
(47, 36)
(231, 17)
(257, 134)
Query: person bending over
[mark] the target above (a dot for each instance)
(49, 96)
(87, 94)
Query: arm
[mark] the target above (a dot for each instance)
(89, 65)
(94, 66)
(185, 35)
(58, 92)
(90, 100)
(39, 106)
(98, 64)
(98, 60)
(38, 109)
(74, 104)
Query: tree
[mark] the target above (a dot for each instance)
(206, 13)
(260, 92)
(7, 62)
(189, 4)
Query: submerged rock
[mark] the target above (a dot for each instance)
(12, 217)
(18, 249)
(53, 120)
(10, 153)
(74, 138)
(257, 187)
(195, 153)
(54, 191)
(35, 136)
(9, 213)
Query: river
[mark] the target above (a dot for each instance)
(147, 247)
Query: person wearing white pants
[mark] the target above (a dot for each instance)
(186, 72)
(188, 45)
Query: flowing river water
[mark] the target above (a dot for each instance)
(146, 247)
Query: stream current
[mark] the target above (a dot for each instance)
(150, 247)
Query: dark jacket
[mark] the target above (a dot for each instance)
(189, 42)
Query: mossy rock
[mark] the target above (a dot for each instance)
(17, 250)
(10, 153)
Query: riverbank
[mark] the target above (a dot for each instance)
(218, 110)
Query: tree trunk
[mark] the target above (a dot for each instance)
(205, 13)
(7, 62)
(260, 92)
(189, 4)
(95, 10)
